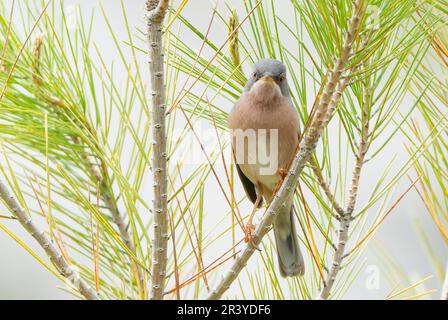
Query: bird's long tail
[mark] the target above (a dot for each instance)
(290, 258)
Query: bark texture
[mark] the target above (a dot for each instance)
(155, 15)
(45, 242)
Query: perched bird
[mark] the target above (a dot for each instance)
(265, 136)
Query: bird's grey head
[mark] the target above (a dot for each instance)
(269, 68)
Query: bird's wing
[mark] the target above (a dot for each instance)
(249, 187)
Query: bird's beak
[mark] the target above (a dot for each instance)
(267, 78)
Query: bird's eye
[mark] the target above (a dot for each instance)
(281, 78)
(254, 75)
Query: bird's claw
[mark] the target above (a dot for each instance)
(250, 229)
(282, 172)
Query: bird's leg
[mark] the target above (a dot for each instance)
(282, 172)
(250, 227)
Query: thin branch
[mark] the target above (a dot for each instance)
(346, 216)
(44, 241)
(343, 84)
(332, 109)
(156, 11)
(306, 148)
(362, 149)
(98, 172)
(326, 187)
(106, 194)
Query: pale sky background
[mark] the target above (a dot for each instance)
(21, 277)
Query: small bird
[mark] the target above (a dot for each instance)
(265, 117)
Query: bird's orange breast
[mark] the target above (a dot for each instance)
(279, 120)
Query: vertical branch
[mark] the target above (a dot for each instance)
(106, 194)
(338, 256)
(306, 148)
(155, 15)
(347, 215)
(44, 241)
(332, 108)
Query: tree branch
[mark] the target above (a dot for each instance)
(97, 171)
(343, 84)
(347, 216)
(156, 10)
(306, 148)
(106, 194)
(42, 239)
(326, 187)
(155, 15)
